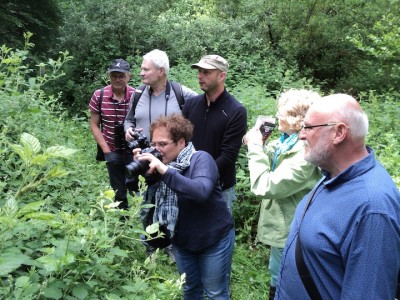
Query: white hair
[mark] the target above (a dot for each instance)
(159, 58)
(346, 109)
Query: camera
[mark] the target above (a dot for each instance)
(266, 129)
(119, 137)
(139, 141)
(139, 167)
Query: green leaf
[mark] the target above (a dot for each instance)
(57, 172)
(60, 151)
(118, 252)
(50, 264)
(31, 207)
(40, 216)
(8, 222)
(21, 153)
(31, 142)
(39, 159)
(10, 261)
(68, 259)
(52, 292)
(80, 291)
(153, 228)
(22, 282)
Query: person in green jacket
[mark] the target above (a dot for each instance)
(279, 174)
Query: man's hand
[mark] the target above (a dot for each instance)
(130, 133)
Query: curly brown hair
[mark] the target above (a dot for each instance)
(178, 126)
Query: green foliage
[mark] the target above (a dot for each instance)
(343, 45)
(21, 16)
(380, 44)
(315, 34)
(186, 30)
(36, 167)
(61, 237)
(384, 112)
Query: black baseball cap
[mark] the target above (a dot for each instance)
(119, 65)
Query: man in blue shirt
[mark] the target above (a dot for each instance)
(350, 232)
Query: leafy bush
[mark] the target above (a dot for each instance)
(61, 237)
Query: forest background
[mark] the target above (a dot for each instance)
(60, 237)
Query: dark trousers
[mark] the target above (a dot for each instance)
(116, 163)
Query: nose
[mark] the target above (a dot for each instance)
(302, 134)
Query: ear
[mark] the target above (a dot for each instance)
(181, 143)
(222, 76)
(162, 71)
(341, 133)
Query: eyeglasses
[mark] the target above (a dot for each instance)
(320, 125)
(160, 144)
(117, 76)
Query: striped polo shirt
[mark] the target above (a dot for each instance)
(112, 113)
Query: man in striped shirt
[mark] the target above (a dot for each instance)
(106, 123)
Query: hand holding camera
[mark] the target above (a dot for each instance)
(131, 132)
(138, 140)
(266, 125)
(143, 163)
(261, 131)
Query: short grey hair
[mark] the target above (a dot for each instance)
(344, 108)
(159, 58)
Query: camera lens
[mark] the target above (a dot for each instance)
(137, 167)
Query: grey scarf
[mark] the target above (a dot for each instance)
(166, 210)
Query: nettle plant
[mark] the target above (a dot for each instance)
(50, 246)
(70, 255)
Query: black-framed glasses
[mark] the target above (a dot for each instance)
(118, 75)
(313, 126)
(160, 144)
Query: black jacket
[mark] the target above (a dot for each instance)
(218, 130)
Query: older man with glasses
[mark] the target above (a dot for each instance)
(108, 109)
(344, 241)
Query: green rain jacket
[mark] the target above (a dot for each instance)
(281, 189)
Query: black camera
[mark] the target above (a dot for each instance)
(139, 141)
(266, 129)
(119, 137)
(138, 166)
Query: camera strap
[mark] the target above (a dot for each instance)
(176, 87)
(100, 101)
(167, 93)
(302, 268)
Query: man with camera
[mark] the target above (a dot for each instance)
(108, 108)
(156, 97)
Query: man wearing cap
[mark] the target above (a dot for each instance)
(219, 120)
(106, 123)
